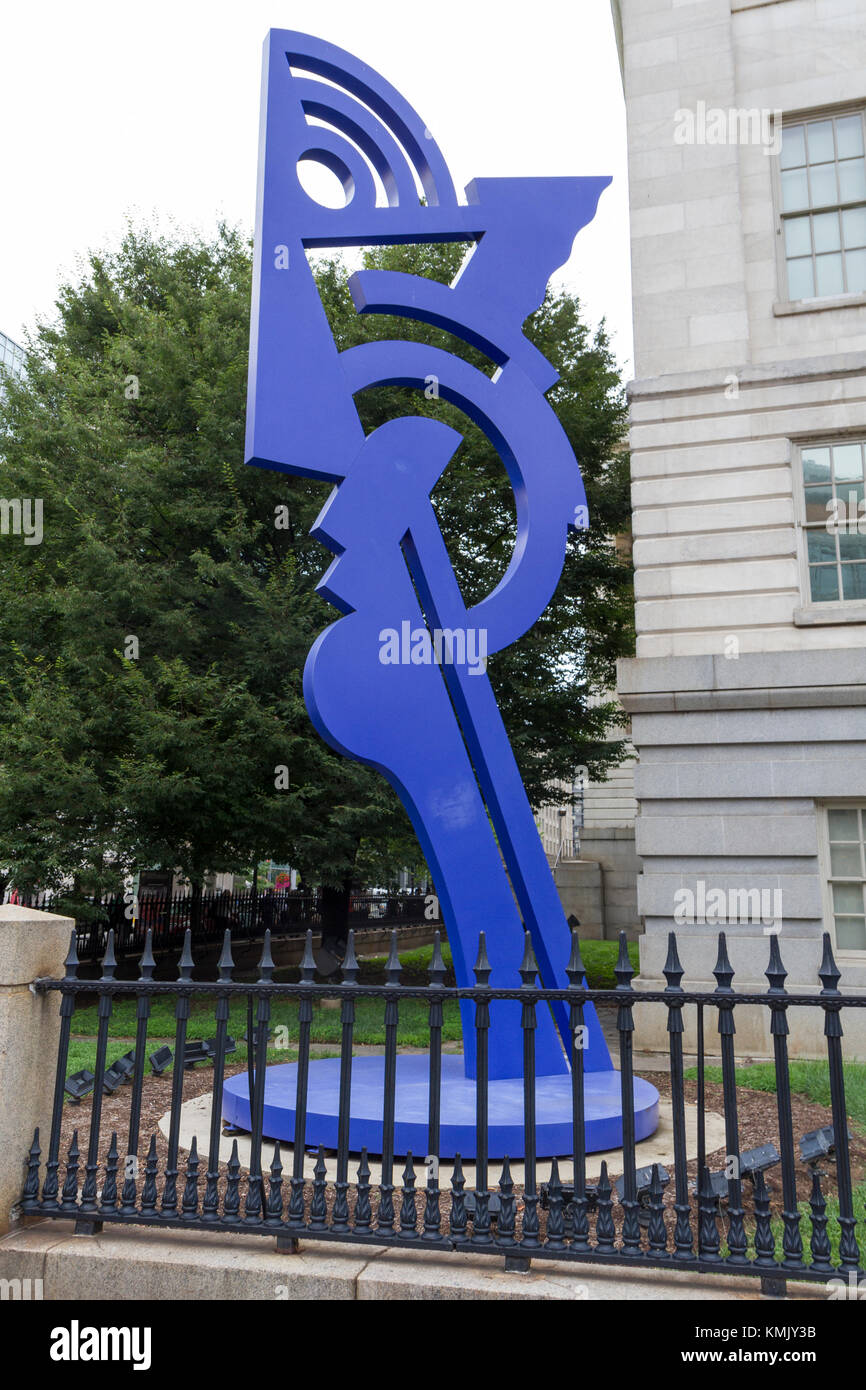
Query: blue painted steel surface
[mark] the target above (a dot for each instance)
(505, 1099)
(430, 724)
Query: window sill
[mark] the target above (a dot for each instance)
(817, 306)
(825, 615)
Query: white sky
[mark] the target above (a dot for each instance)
(113, 110)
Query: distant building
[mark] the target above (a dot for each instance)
(12, 357)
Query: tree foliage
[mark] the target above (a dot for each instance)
(151, 647)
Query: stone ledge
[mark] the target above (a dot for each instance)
(141, 1264)
(781, 673)
(760, 374)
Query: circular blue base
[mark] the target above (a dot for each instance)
(603, 1108)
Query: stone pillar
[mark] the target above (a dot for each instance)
(32, 944)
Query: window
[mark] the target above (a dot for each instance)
(11, 355)
(846, 834)
(834, 520)
(823, 206)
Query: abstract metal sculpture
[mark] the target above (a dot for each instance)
(399, 681)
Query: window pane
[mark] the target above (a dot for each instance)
(854, 226)
(823, 584)
(816, 465)
(826, 231)
(851, 933)
(822, 181)
(793, 146)
(849, 136)
(816, 503)
(852, 546)
(853, 581)
(795, 190)
(819, 135)
(800, 282)
(845, 861)
(847, 897)
(855, 271)
(852, 180)
(822, 547)
(844, 825)
(847, 463)
(829, 270)
(797, 239)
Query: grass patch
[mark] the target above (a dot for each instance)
(599, 958)
(326, 1026)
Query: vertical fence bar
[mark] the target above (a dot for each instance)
(820, 1242)
(232, 1201)
(432, 1211)
(225, 968)
(340, 1215)
(724, 974)
(829, 974)
(274, 1215)
(702, 1123)
(386, 1217)
(148, 1191)
(765, 1242)
(108, 1196)
(146, 967)
(254, 1207)
(69, 1195)
(91, 1167)
(605, 1230)
(673, 973)
(792, 1243)
(181, 1014)
(189, 1204)
(67, 1009)
(305, 1020)
(577, 980)
(363, 1206)
(481, 1221)
(625, 1027)
(506, 1225)
(555, 1216)
(529, 1022)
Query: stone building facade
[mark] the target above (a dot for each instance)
(747, 694)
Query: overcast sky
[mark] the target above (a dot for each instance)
(115, 110)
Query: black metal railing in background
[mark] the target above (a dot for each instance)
(208, 915)
(624, 1223)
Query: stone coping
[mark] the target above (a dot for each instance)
(138, 1263)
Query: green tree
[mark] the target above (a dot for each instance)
(151, 647)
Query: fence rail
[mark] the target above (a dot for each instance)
(207, 915)
(726, 1226)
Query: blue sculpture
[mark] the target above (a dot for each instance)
(399, 681)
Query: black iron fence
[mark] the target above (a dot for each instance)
(208, 915)
(739, 1221)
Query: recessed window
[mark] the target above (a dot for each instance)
(846, 834)
(834, 520)
(823, 206)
